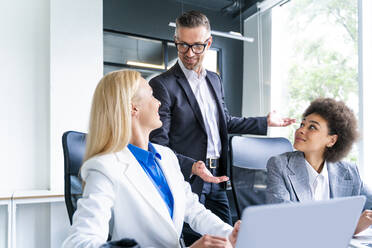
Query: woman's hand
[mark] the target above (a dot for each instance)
(364, 222)
(234, 234)
(209, 241)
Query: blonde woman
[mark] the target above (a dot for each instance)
(135, 189)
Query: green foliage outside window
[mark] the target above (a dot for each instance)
(322, 66)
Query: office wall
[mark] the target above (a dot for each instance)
(76, 65)
(24, 89)
(51, 60)
(152, 20)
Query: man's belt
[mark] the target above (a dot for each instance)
(211, 163)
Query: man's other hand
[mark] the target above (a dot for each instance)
(199, 169)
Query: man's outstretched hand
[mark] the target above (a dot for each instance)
(275, 120)
(199, 169)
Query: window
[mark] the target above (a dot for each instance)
(314, 54)
(302, 50)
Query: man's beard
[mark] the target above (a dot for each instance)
(195, 66)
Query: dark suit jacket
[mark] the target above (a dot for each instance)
(183, 127)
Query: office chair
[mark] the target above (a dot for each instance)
(73, 150)
(249, 156)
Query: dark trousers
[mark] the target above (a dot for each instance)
(215, 199)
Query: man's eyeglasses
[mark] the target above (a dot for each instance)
(196, 48)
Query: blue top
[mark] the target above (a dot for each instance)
(151, 167)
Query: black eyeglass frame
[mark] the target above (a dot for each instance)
(192, 46)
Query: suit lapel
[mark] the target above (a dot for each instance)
(216, 89)
(135, 174)
(299, 177)
(215, 86)
(176, 188)
(340, 182)
(182, 81)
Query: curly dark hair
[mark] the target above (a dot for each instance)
(341, 121)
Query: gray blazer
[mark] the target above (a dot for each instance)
(288, 180)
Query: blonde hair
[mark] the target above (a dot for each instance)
(110, 115)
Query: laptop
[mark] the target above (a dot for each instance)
(319, 224)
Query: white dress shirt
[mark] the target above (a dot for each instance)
(319, 182)
(208, 108)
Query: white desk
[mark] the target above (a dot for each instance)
(364, 237)
(12, 199)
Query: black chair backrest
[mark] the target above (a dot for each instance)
(249, 156)
(73, 149)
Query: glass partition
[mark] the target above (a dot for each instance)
(147, 55)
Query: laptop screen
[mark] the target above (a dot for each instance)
(329, 223)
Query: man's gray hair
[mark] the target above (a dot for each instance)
(192, 19)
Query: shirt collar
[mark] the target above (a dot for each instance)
(144, 155)
(191, 74)
(313, 174)
(154, 151)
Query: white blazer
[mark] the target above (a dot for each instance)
(120, 197)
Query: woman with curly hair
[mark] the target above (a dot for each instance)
(315, 171)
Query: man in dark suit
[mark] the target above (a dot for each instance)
(195, 119)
